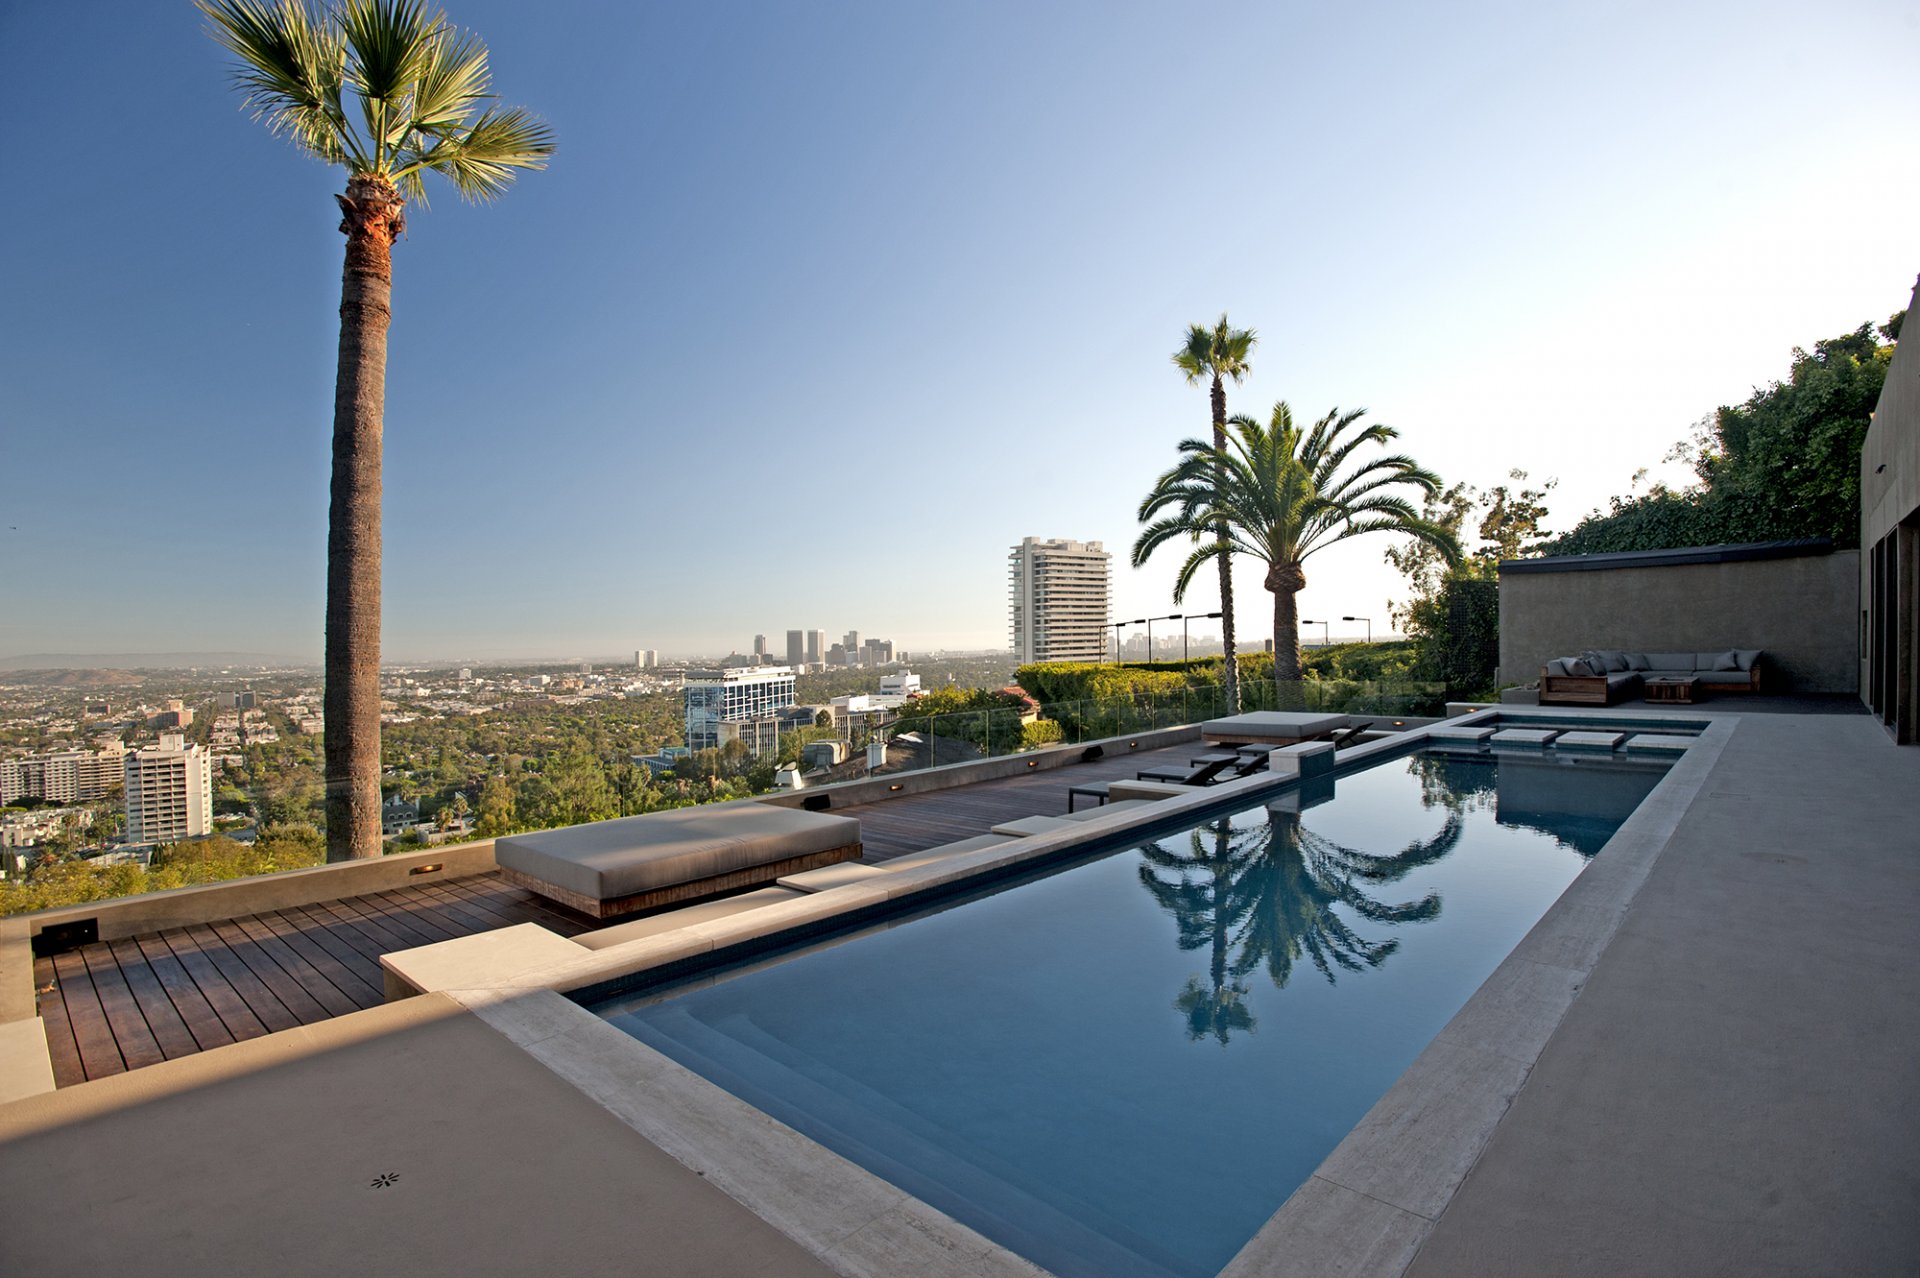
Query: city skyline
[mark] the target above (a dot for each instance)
(1547, 240)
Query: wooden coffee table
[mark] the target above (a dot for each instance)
(1672, 691)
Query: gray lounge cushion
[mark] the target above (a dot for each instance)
(1581, 667)
(1558, 666)
(1272, 725)
(1638, 661)
(1622, 679)
(609, 859)
(1745, 657)
(1616, 661)
(1727, 661)
(1672, 662)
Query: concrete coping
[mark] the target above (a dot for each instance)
(1589, 740)
(1524, 736)
(830, 876)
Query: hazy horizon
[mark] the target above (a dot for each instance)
(820, 311)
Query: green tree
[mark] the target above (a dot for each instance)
(1281, 494)
(497, 812)
(420, 92)
(1213, 355)
(1784, 464)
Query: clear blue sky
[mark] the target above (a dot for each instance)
(822, 307)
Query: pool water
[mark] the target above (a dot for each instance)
(1126, 1066)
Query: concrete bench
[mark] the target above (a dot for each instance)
(609, 868)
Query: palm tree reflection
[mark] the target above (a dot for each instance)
(1263, 896)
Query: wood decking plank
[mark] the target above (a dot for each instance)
(288, 985)
(411, 931)
(62, 1050)
(429, 913)
(168, 1027)
(338, 932)
(92, 1033)
(366, 930)
(525, 906)
(354, 973)
(138, 1047)
(478, 915)
(240, 1019)
(202, 1021)
(237, 975)
(317, 972)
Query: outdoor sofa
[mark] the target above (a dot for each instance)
(1600, 677)
(607, 868)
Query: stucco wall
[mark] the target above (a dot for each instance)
(1802, 611)
(1890, 475)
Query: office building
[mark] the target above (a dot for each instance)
(759, 650)
(714, 697)
(71, 776)
(796, 648)
(816, 647)
(1060, 593)
(169, 792)
(852, 644)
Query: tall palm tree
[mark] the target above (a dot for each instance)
(1280, 494)
(1213, 355)
(418, 90)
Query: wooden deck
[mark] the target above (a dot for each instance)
(120, 1005)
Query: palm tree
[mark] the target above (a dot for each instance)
(1280, 495)
(1214, 354)
(420, 102)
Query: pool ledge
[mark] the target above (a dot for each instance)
(1371, 1203)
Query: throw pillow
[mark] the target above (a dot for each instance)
(1638, 661)
(1746, 657)
(1616, 661)
(1579, 666)
(1727, 661)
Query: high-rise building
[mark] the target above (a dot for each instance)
(714, 697)
(816, 647)
(169, 792)
(647, 658)
(72, 776)
(759, 649)
(1060, 597)
(796, 648)
(852, 644)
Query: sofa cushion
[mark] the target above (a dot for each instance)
(1558, 666)
(1622, 680)
(1637, 661)
(604, 860)
(1616, 660)
(1745, 657)
(1671, 661)
(1578, 666)
(1726, 661)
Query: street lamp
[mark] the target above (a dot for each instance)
(1184, 623)
(1369, 622)
(1172, 616)
(1326, 631)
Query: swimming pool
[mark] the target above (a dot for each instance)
(1125, 1066)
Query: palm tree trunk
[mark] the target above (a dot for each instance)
(373, 216)
(1289, 690)
(1232, 667)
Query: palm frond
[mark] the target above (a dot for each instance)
(292, 65)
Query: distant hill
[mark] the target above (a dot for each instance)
(145, 660)
(77, 678)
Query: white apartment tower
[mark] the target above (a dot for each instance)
(1060, 600)
(169, 792)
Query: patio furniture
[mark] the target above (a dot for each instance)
(607, 868)
(1200, 775)
(1674, 689)
(1598, 677)
(1271, 727)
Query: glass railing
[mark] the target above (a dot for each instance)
(485, 758)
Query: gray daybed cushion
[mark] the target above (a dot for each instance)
(1671, 662)
(1270, 725)
(1745, 657)
(605, 860)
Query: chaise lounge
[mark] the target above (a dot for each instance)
(608, 868)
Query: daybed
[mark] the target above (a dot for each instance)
(616, 867)
(1600, 677)
(1271, 727)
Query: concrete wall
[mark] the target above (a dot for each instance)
(1802, 611)
(1889, 499)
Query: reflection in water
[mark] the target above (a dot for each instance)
(1263, 896)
